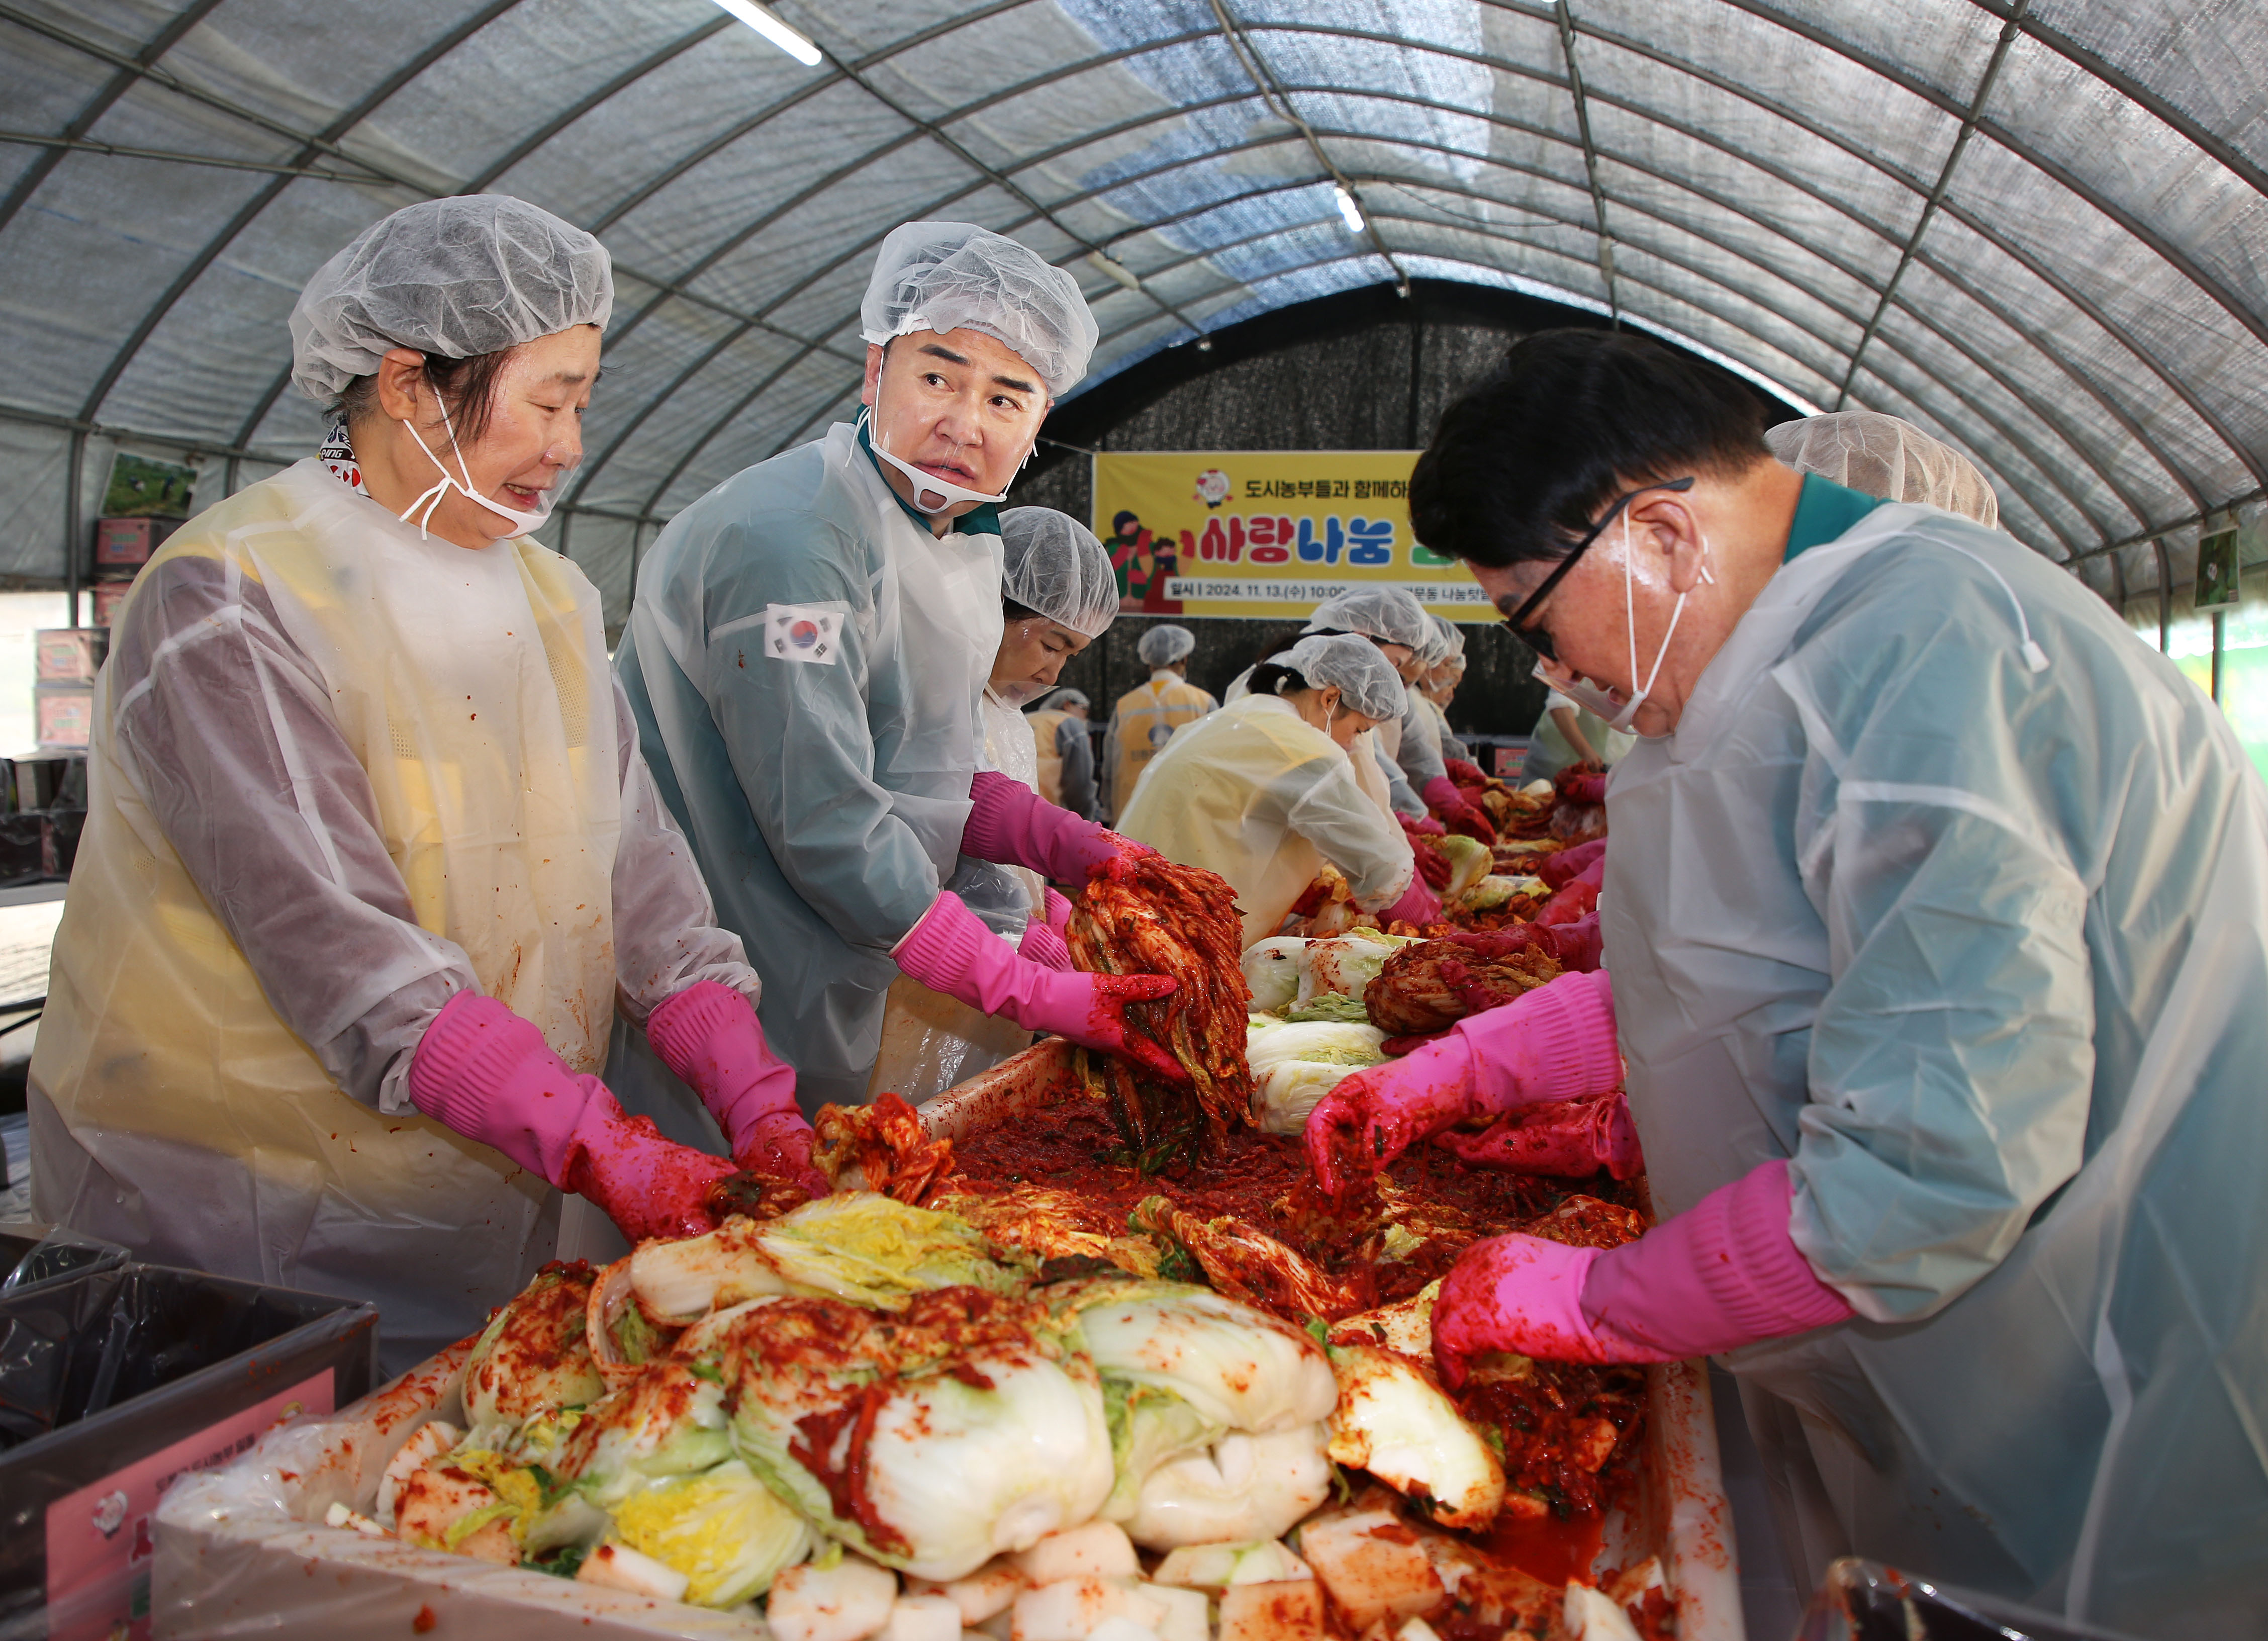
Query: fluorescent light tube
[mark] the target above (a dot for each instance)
(1114, 268)
(1350, 212)
(762, 20)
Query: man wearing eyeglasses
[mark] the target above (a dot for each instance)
(1938, 914)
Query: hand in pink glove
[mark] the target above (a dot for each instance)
(1418, 904)
(1562, 869)
(1010, 824)
(1464, 773)
(1570, 1138)
(1555, 1043)
(950, 950)
(1422, 826)
(488, 1073)
(1723, 1275)
(1574, 946)
(710, 1036)
(1043, 937)
(1584, 788)
(1443, 795)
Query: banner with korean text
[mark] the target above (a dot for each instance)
(1267, 534)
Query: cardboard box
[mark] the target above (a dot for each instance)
(116, 1384)
(126, 543)
(104, 597)
(65, 715)
(69, 654)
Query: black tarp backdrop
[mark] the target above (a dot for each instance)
(1364, 370)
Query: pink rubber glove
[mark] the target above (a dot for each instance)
(1463, 773)
(1574, 946)
(1423, 826)
(1418, 904)
(710, 1036)
(1584, 788)
(1579, 899)
(1722, 1275)
(1443, 795)
(488, 1073)
(1562, 869)
(950, 950)
(1571, 1138)
(1010, 824)
(1043, 937)
(1555, 1043)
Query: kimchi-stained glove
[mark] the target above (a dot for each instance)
(950, 950)
(710, 1035)
(488, 1073)
(1010, 824)
(1723, 1274)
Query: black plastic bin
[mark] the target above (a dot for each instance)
(115, 1382)
(32, 1255)
(1863, 1601)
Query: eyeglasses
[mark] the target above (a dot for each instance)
(1535, 638)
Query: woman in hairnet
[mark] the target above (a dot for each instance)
(1065, 752)
(806, 658)
(372, 860)
(1263, 791)
(1147, 715)
(1438, 687)
(1938, 913)
(1058, 595)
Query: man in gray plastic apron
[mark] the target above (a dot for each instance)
(805, 658)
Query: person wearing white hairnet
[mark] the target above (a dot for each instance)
(373, 863)
(1058, 595)
(1065, 749)
(1147, 715)
(1887, 456)
(1263, 791)
(1438, 687)
(1937, 922)
(807, 657)
(1398, 625)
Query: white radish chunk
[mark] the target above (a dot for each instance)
(619, 1567)
(848, 1601)
(1099, 1549)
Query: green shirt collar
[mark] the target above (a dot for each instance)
(1823, 510)
(984, 520)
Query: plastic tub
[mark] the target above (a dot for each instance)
(33, 1254)
(113, 1383)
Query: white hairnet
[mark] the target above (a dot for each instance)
(1366, 679)
(954, 275)
(1886, 456)
(475, 273)
(1377, 612)
(1059, 700)
(1452, 637)
(1051, 563)
(1165, 644)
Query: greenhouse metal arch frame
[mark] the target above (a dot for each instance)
(2035, 228)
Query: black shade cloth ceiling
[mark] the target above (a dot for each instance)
(2036, 227)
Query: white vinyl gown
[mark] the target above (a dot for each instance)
(1982, 951)
(339, 775)
(805, 661)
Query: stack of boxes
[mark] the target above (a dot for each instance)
(69, 657)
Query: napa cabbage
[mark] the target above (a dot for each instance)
(725, 1530)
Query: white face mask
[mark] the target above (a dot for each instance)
(522, 523)
(926, 483)
(1589, 696)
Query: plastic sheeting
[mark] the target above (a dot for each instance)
(2084, 313)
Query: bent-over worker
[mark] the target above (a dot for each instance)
(1147, 715)
(1263, 791)
(1065, 750)
(1938, 914)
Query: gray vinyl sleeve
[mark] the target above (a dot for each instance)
(1398, 791)
(1076, 749)
(209, 693)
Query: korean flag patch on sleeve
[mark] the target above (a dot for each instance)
(803, 632)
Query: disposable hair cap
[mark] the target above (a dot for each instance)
(1886, 456)
(1051, 563)
(1164, 645)
(472, 274)
(955, 275)
(1366, 679)
(1378, 612)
